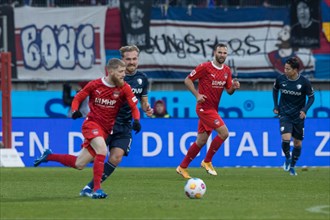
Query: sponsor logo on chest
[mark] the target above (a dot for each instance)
(218, 81)
(292, 92)
(218, 84)
(137, 90)
(105, 102)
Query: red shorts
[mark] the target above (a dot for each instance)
(91, 130)
(208, 120)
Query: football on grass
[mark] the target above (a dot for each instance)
(195, 188)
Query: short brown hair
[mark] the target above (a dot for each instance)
(219, 45)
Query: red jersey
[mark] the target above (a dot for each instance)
(212, 81)
(105, 101)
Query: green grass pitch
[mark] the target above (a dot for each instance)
(157, 193)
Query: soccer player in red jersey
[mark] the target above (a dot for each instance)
(106, 96)
(119, 142)
(214, 77)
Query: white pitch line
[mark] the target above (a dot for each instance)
(324, 209)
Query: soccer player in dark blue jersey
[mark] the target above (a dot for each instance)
(292, 110)
(119, 142)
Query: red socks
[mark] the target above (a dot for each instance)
(215, 145)
(65, 159)
(191, 154)
(70, 161)
(98, 168)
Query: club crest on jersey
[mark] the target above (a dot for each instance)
(226, 75)
(299, 86)
(116, 94)
(139, 81)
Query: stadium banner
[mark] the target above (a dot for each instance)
(180, 104)
(258, 41)
(112, 32)
(60, 43)
(325, 10)
(305, 24)
(7, 35)
(164, 142)
(135, 22)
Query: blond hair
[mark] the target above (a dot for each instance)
(128, 48)
(115, 63)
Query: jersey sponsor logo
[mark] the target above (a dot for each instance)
(218, 84)
(137, 90)
(290, 92)
(216, 122)
(105, 102)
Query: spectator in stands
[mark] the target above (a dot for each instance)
(292, 109)
(160, 110)
(108, 93)
(213, 78)
(67, 99)
(120, 140)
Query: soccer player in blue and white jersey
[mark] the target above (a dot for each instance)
(292, 110)
(119, 142)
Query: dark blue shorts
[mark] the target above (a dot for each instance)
(121, 137)
(295, 127)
